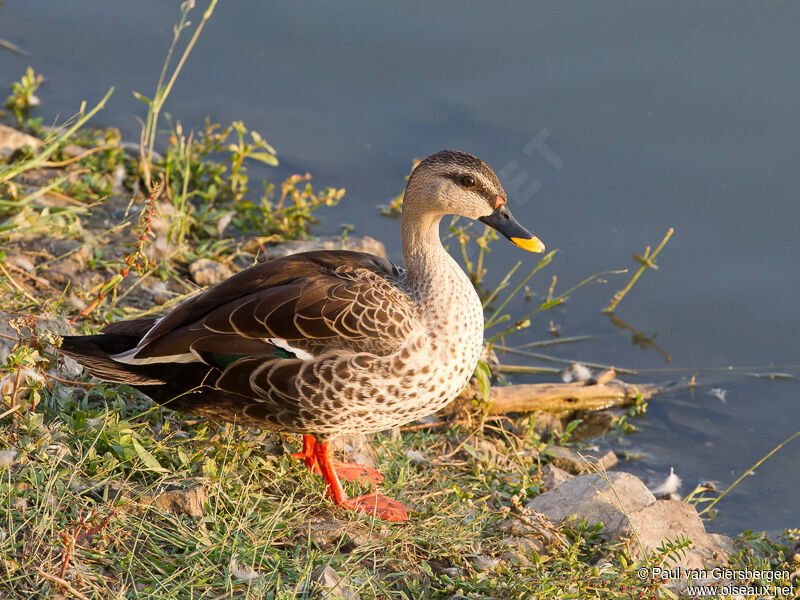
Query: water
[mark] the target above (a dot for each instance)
(679, 115)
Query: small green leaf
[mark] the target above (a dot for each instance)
(147, 458)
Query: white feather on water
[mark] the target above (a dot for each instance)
(576, 372)
(669, 486)
(719, 393)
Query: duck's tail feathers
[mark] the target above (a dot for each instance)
(94, 351)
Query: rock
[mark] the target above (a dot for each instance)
(355, 448)
(593, 424)
(566, 459)
(7, 458)
(329, 584)
(359, 244)
(603, 460)
(581, 462)
(12, 140)
(545, 423)
(590, 496)
(652, 521)
(329, 533)
(553, 476)
(538, 528)
(205, 271)
(481, 562)
(519, 549)
(190, 501)
(416, 457)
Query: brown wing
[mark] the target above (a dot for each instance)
(314, 302)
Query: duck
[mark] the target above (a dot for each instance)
(328, 342)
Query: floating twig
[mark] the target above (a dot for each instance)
(13, 48)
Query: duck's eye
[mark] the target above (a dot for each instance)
(467, 181)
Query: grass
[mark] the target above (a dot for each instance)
(264, 511)
(75, 513)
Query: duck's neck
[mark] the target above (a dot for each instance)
(432, 275)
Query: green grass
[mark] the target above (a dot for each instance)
(84, 444)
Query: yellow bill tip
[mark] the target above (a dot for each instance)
(532, 244)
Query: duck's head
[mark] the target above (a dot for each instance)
(454, 182)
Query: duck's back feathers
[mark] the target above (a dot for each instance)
(307, 304)
(262, 345)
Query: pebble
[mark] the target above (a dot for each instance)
(205, 271)
(325, 578)
(190, 501)
(7, 458)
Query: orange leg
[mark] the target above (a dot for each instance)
(346, 471)
(373, 504)
(308, 453)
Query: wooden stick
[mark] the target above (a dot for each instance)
(553, 397)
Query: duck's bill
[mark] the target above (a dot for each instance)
(503, 221)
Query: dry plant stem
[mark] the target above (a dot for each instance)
(10, 411)
(16, 285)
(647, 263)
(64, 584)
(543, 262)
(38, 280)
(131, 260)
(554, 397)
(87, 384)
(69, 161)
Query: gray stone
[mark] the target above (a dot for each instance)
(205, 271)
(553, 476)
(328, 584)
(591, 497)
(628, 510)
(583, 462)
(666, 520)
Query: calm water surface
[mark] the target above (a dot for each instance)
(682, 115)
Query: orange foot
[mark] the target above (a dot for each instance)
(379, 505)
(354, 472)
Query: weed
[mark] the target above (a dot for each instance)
(22, 97)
